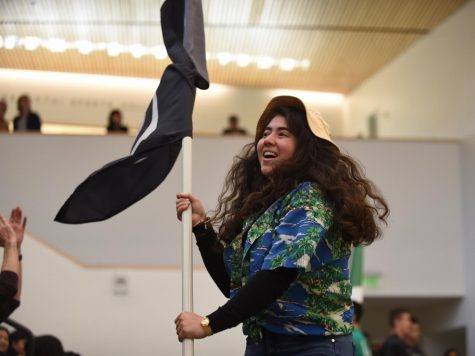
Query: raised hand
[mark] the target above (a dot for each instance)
(7, 234)
(18, 224)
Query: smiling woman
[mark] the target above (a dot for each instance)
(291, 209)
(276, 146)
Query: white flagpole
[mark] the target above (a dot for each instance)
(187, 244)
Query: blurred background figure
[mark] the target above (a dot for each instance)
(114, 124)
(413, 339)
(11, 238)
(4, 340)
(233, 127)
(401, 323)
(18, 341)
(26, 120)
(451, 352)
(361, 344)
(3, 120)
(48, 345)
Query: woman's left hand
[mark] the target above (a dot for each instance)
(188, 326)
(7, 234)
(18, 224)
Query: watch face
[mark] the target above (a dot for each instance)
(205, 325)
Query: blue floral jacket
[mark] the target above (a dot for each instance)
(295, 232)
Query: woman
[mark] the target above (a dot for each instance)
(26, 120)
(291, 208)
(114, 123)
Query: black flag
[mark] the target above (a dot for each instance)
(168, 119)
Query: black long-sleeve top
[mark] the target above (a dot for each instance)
(8, 290)
(261, 290)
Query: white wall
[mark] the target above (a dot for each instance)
(78, 305)
(79, 99)
(39, 172)
(428, 92)
(425, 224)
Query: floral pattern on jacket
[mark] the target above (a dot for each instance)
(296, 232)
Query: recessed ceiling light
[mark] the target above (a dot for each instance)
(114, 49)
(243, 60)
(137, 50)
(287, 64)
(56, 45)
(84, 46)
(265, 62)
(10, 42)
(31, 43)
(224, 58)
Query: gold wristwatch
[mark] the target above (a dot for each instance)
(205, 325)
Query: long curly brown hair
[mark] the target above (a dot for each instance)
(358, 206)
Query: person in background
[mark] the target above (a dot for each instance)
(48, 345)
(3, 120)
(291, 208)
(4, 340)
(18, 340)
(233, 127)
(361, 344)
(114, 124)
(26, 120)
(451, 352)
(400, 320)
(414, 338)
(11, 238)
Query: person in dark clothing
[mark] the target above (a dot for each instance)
(114, 124)
(11, 238)
(451, 352)
(233, 128)
(291, 208)
(18, 341)
(3, 121)
(48, 345)
(400, 320)
(414, 338)
(26, 120)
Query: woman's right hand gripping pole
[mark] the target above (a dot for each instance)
(183, 201)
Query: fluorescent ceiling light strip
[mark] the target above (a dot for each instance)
(137, 50)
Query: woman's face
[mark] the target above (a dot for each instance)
(276, 146)
(4, 341)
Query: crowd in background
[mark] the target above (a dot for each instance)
(26, 120)
(404, 338)
(19, 341)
